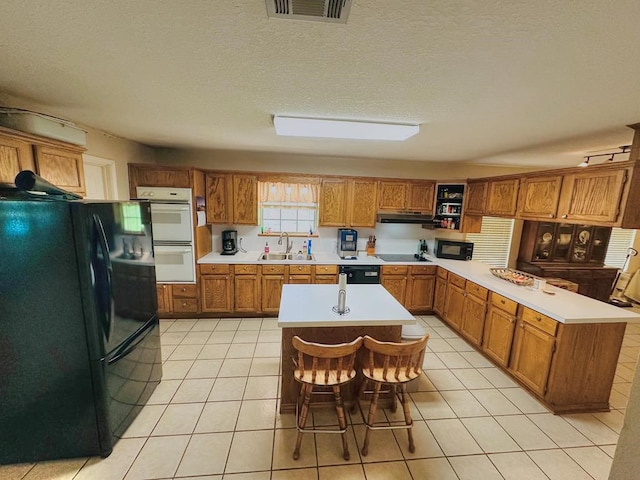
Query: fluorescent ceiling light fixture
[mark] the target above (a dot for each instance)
(318, 127)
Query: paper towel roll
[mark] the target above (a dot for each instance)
(342, 281)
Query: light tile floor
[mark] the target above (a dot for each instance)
(214, 417)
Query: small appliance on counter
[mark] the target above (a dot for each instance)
(347, 244)
(229, 242)
(453, 249)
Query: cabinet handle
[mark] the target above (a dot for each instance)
(565, 215)
(539, 319)
(503, 302)
(184, 304)
(551, 215)
(512, 320)
(521, 325)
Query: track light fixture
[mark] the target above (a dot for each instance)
(623, 149)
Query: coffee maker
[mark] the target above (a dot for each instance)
(347, 243)
(229, 242)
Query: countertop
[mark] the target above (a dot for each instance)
(563, 306)
(312, 306)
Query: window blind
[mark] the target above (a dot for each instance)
(619, 242)
(492, 244)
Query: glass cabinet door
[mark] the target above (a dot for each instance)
(581, 243)
(543, 247)
(562, 247)
(599, 244)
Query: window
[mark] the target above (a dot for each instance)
(492, 244)
(619, 243)
(288, 207)
(131, 219)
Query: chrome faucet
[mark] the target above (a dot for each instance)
(289, 244)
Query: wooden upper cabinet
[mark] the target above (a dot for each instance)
(414, 196)
(245, 199)
(539, 197)
(475, 198)
(502, 197)
(592, 197)
(15, 156)
(333, 202)
(392, 195)
(148, 175)
(63, 168)
(420, 196)
(363, 201)
(219, 197)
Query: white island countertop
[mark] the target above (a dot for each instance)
(312, 306)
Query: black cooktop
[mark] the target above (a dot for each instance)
(401, 257)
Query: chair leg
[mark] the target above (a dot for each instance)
(372, 413)
(394, 399)
(361, 390)
(407, 416)
(341, 420)
(305, 391)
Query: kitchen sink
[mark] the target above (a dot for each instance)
(286, 256)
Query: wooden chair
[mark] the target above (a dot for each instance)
(390, 364)
(320, 365)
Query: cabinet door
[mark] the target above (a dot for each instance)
(502, 197)
(363, 202)
(475, 198)
(300, 279)
(326, 279)
(392, 195)
(531, 357)
(420, 292)
(164, 298)
(157, 176)
(216, 293)
(472, 326)
(245, 196)
(539, 197)
(454, 305)
(15, 156)
(219, 200)
(246, 296)
(420, 197)
(61, 167)
(396, 285)
(498, 335)
(592, 197)
(333, 203)
(271, 292)
(439, 296)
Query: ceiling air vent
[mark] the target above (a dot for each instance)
(331, 11)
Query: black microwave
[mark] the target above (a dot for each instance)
(453, 249)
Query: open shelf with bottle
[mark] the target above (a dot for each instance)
(448, 209)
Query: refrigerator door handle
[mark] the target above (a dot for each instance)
(107, 322)
(130, 344)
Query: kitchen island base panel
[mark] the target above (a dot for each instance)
(330, 335)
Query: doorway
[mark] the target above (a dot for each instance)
(100, 178)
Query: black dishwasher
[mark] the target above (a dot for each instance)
(361, 273)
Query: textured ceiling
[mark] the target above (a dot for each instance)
(522, 83)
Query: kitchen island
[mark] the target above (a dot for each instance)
(307, 311)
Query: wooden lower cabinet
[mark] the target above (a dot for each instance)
(439, 296)
(326, 274)
(531, 356)
(271, 281)
(184, 298)
(499, 328)
(300, 274)
(454, 305)
(216, 288)
(164, 298)
(420, 288)
(394, 279)
(474, 311)
(246, 289)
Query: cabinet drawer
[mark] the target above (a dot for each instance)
(213, 268)
(326, 269)
(457, 280)
(423, 269)
(300, 270)
(242, 269)
(442, 273)
(540, 321)
(395, 269)
(477, 291)
(185, 291)
(185, 305)
(503, 303)
(272, 269)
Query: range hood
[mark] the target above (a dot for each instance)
(416, 218)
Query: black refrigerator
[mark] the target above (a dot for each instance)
(79, 335)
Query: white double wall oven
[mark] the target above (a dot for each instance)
(172, 222)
